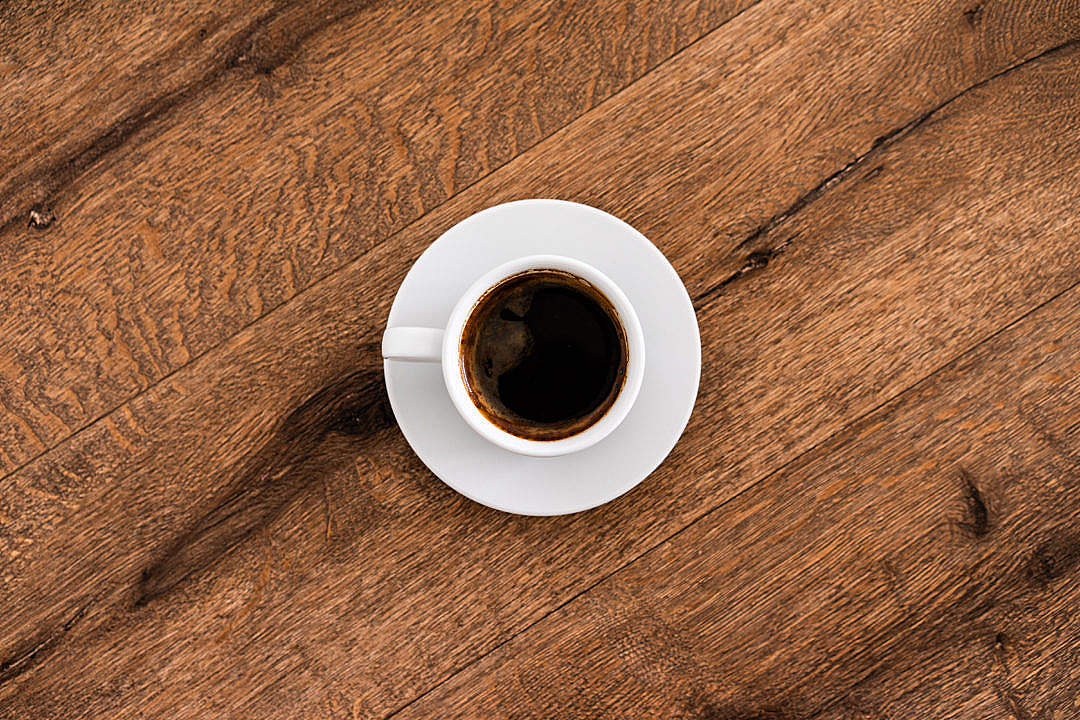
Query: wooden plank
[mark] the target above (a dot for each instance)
(767, 110)
(252, 534)
(93, 78)
(206, 165)
(923, 563)
(76, 80)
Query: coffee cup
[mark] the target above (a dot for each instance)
(553, 370)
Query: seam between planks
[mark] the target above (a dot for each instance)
(346, 263)
(237, 52)
(760, 258)
(883, 142)
(765, 478)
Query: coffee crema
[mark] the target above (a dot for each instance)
(543, 354)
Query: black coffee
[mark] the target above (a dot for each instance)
(543, 354)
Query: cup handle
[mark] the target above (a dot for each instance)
(419, 344)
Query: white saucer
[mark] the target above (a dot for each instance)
(514, 483)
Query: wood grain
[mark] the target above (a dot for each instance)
(252, 537)
(78, 80)
(769, 109)
(923, 563)
(228, 166)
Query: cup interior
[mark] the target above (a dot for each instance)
(616, 410)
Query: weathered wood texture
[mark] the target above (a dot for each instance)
(856, 196)
(196, 249)
(922, 563)
(245, 156)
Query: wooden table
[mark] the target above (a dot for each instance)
(207, 510)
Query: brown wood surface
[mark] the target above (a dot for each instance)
(208, 512)
(237, 167)
(920, 563)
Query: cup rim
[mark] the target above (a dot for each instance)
(620, 408)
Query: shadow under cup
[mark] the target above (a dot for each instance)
(543, 354)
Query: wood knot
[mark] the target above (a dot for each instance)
(1052, 560)
(1001, 649)
(977, 512)
(756, 261)
(760, 259)
(972, 15)
(40, 218)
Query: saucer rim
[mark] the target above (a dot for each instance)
(658, 260)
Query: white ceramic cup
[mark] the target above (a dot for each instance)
(421, 344)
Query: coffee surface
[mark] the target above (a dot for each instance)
(543, 354)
